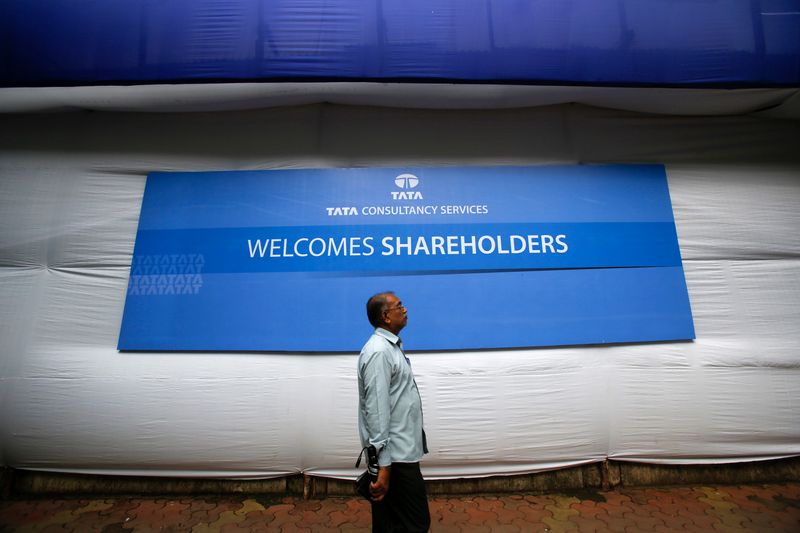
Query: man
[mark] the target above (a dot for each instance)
(390, 418)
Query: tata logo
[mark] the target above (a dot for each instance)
(406, 182)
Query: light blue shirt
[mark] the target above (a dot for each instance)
(389, 404)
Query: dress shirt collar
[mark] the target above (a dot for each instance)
(388, 335)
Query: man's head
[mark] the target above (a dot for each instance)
(385, 310)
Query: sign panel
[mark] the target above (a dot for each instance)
(483, 257)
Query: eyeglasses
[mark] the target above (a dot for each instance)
(399, 306)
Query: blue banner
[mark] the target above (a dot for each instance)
(484, 257)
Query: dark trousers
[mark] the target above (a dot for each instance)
(405, 507)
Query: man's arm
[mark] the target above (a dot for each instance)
(377, 375)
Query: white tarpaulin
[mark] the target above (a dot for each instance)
(780, 102)
(71, 187)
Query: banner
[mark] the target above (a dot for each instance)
(483, 257)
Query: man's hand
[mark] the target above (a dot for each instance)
(380, 486)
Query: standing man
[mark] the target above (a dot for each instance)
(390, 418)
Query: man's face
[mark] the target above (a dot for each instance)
(395, 314)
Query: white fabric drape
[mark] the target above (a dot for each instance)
(70, 191)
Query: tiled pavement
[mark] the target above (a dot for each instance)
(768, 508)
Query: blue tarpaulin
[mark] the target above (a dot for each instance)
(681, 43)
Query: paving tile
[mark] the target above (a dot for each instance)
(636, 496)
(88, 523)
(281, 516)
(776, 503)
(304, 506)
(704, 509)
(350, 513)
(701, 520)
(490, 505)
(530, 527)
(360, 511)
(654, 495)
(257, 521)
(617, 501)
(479, 511)
(52, 528)
(473, 528)
(585, 524)
(505, 528)
(672, 520)
(115, 527)
(719, 527)
(168, 515)
(36, 512)
(124, 508)
(789, 525)
(231, 527)
(670, 529)
(480, 517)
(539, 500)
(642, 522)
(147, 508)
(791, 490)
(672, 508)
(535, 514)
(456, 512)
(20, 513)
(729, 515)
(205, 514)
(310, 518)
(508, 512)
(616, 524)
(747, 502)
(439, 527)
(227, 512)
(333, 504)
(67, 513)
(200, 504)
(251, 516)
(599, 514)
(338, 519)
(561, 511)
(349, 529)
(762, 522)
(599, 510)
(437, 505)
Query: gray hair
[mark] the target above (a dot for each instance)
(376, 305)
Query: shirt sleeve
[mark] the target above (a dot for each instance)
(377, 377)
